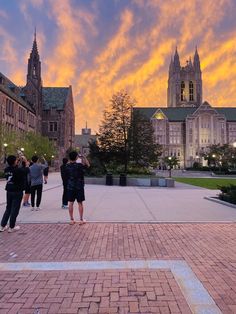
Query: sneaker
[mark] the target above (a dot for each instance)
(16, 228)
(3, 228)
(32, 208)
(64, 206)
(82, 222)
(38, 208)
(26, 204)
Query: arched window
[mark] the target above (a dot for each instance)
(191, 91)
(182, 91)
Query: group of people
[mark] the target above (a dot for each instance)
(25, 179)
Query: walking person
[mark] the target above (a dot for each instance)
(45, 175)
(15, 175)
(36, 179)
(75, 184)
(64, 182)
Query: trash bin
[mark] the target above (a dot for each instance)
(109, 179)
(122, 179)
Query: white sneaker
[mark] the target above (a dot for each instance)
(3, 228)
(32, 208)
(16, 228)
(37, 208)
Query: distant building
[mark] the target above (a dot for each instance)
(82, 140)
(46, 110)
(186, 127)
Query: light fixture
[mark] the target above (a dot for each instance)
(5, 144)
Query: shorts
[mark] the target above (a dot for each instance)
(27, 189)
(77, 195)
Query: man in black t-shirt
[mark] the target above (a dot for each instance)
(15, 186)
(75, 183)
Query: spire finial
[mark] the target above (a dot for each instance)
(35, 33)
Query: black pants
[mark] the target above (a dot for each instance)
(64, 195)
(12, 208)
(36, 189)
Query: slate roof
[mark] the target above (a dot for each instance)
(180, 114)
(54, 97)
(6, 88)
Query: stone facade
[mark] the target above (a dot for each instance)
(82, 140)
(184, 83)
(46, 110)
(187, 127)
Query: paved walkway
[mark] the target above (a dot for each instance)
(208, 249)
(184, 203)
(121, 267)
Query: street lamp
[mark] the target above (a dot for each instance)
(5, 152)
(234, 144)
(169, 158)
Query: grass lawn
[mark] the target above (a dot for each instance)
(208, 183)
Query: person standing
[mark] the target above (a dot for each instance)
(15, 186)
(75, 184)
(25, 164)
(36, 178)
(64, 181)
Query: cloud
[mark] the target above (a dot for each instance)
(128, 46)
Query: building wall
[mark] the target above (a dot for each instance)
(189, 139)
(15, 116)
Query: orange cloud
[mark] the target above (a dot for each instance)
(135, 52)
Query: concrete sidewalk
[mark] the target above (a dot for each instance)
(184, 203)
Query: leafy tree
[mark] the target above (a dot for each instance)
(171, 162)
(34, 143)
(221, 156)
(97, 167)
(143, 149)
(113, 138)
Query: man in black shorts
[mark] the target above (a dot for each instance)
(75, 183)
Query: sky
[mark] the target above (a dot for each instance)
(103, 46)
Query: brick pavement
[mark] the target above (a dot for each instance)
(209, 249)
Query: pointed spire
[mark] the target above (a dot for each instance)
(35, 33)
(196, 61)
(86, 125)
(176, 60)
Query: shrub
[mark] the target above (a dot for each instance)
(228, 193)
(2, 174)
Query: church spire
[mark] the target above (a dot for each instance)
(196, 61)
(176, 60)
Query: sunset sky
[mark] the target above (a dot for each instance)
(102, 46)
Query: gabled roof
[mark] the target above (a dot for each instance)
(55, 97)
(173, 114)
(181, 113)
(14, 92)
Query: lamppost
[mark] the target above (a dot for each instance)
(5, 152)
(169, 158)
(234, 146)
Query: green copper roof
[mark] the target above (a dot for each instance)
(54, 97)
(180, 114)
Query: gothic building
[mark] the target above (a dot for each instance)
(187, 127)
(46, 110)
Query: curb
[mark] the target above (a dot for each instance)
(219, 201)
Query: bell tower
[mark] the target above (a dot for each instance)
(33, 88)
(184, 82)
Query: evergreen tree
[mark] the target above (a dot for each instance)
(143, 149)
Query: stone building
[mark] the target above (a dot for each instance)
(82, 140)
(187, 127)
(46, 110)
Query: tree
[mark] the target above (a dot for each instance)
(171, 162)
(113, 138)
(143, 149)
(221, 156)
(97, 167)
(34, 143)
